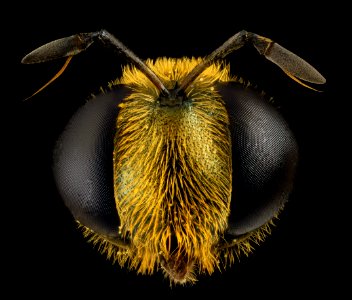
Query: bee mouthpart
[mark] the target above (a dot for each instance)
(179, 269)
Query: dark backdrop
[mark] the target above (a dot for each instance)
(46, 255)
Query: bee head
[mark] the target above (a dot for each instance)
(179, 165)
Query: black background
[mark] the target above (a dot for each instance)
(46, 255)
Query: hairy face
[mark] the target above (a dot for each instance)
(172, 171)
(180, 126)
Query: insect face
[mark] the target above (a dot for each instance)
(179, 165)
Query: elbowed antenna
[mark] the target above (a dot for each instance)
(294, 66)
(75, 44)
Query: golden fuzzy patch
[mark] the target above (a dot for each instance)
(172, 169)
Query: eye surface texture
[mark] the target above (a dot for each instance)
(81, 165)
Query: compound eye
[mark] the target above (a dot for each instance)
(264, 155)
(83, 164)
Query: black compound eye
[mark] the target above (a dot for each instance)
(83, 164)
(264, 156)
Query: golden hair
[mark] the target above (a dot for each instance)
(172, 167)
